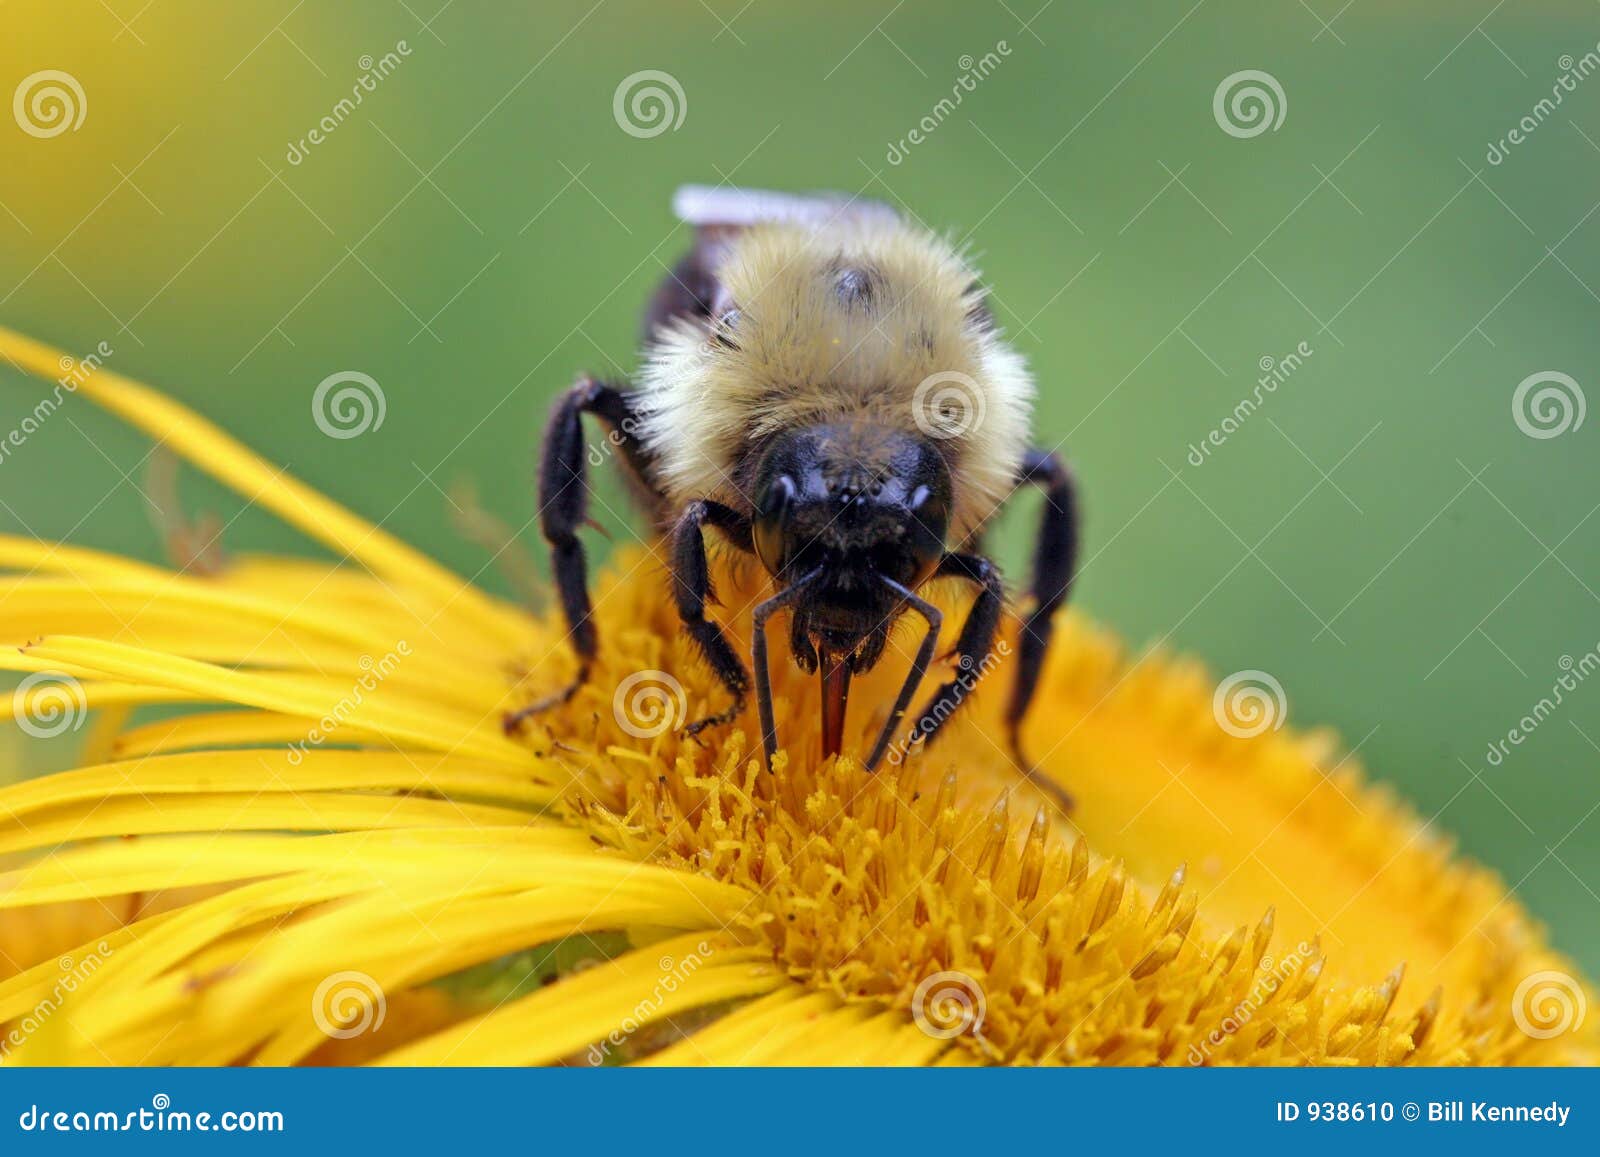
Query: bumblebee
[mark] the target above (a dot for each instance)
(824, 388)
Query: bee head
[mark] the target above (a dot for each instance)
(856, 503)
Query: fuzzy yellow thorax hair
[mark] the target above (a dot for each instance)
(860, 321)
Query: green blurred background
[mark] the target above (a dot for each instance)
(1379, 535)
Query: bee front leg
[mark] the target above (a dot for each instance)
(972, 645)
(758, 653)
(691, 584)
(919, 667)
(564, 507)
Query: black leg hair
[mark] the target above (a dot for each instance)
(919, 668)
(691, 585)
(564, 507)
(1054, 562)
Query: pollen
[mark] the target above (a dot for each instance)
(1085, 938)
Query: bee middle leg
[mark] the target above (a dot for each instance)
(972, 650)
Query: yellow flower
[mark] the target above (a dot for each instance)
(334, 853)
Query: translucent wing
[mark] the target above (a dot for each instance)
(720, 207)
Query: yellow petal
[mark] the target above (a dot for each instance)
(369, 856)
(243, 811)
(269, 772)
(385, 710)
(212, 623)
(761, 1030)
(601, 1006)
(80, 562)
(219, 729)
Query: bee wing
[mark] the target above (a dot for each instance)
(718, 208)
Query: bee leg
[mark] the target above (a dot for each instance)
(691, 584)
(1054, 565)
(972, 646)
(758, 654)
(919, 668)
(564, 506)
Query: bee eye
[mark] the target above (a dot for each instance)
(930, 519)
(770, 530)
(929, 511)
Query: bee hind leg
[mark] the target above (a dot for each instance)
(1054, 565)
(564, 507)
